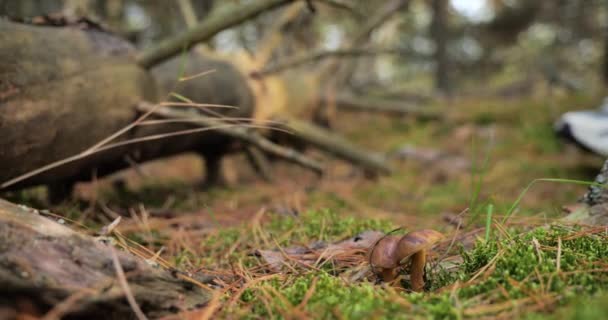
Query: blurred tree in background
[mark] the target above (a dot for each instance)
(455, 46)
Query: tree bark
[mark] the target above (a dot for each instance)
(45, 263)
(63, 90)
(605, 53)
(439, 32)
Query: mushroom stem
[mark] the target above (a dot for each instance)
(417, 270)
(388, 274)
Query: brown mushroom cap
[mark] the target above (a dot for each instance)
(416, 241)
(391, 251)
(383, 253)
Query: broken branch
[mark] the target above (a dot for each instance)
(336, 145)
(259, 162)
(320, 55)
(342, 5)
(205, 30)
(391, 106)
(236, 132)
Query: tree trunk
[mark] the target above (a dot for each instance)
(605, 53)
(439, 32)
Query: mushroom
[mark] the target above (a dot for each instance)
(392, 252)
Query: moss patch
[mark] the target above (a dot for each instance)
(511, 276)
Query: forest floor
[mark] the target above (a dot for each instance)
(448, 172)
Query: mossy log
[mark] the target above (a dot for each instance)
(62, 90)
(44, 263)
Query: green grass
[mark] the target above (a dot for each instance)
(515, 204)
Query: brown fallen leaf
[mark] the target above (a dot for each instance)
(344, 253)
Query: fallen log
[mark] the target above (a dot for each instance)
(64, 90)
(52, 268)
(48, 76)
(69, 100)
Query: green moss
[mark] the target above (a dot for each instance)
(332, 298)
(515, 273)
(322, 225)
(581, 308)
(304, 229)
(317, 225)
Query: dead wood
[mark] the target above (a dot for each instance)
(377, 19)
(296, 61)
(335, 145)
(64, 90)
(45, 263)
(236, 131)
(377, 105)
(259, 163)
(343, 5)
(211, 26)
